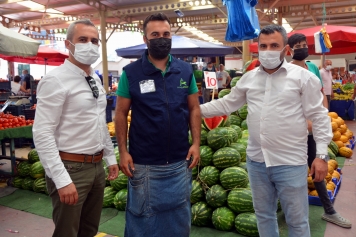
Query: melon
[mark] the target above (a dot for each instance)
(214, 122)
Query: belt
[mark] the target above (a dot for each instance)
(82, 158)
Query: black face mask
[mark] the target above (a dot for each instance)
(159, 48)
(300, 54)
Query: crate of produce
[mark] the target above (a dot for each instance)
(4, 95)
(30, 113)
(5, 85)
(316, 200)
(16, 110)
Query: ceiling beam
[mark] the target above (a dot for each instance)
(283, 3)
(54, 6)
(269, 8)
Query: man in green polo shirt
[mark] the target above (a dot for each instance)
(162, 94)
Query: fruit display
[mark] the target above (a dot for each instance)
(343, 92)
(220, 186)
(343, 138)
(10, 121)
(111, 125)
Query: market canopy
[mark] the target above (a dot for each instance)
(343, 39)
(16, 44)
(181, 47)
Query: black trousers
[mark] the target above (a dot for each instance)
(319, 186)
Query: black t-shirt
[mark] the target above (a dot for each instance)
(27, 79)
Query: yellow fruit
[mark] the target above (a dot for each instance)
(333, 115)
(336, 175)
(328, 177)
(341, 120)
(330, 186)
(330, 169)
(345, 151)
(334, 126)
(313, 193)
(129, 119)
(336, 136)
(310, 183)
(333, 163)
(339, 144)
(344, 139)
(343, 128)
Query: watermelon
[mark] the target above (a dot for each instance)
(246, 224)
(120, 182)
(331, 154)
(27, 183)
(240, 200)
(39, 185)
(334, 147)
(250, 65)
(244, 125)
(197, 193)
(218, 138)
(109, 194)
(37, 170)
(209, 175)
(245, 134)
(234, 136)
(203, 136)
(223, 219)
(195, 172)
(214, 122)
(242, 112)
(117, 154)
(120, 200)
(234, 120)
(206, 155)
(223, 93)
(17, 182)
(237, 129)
(234, 81)
(226, 157)
(243, 165)
(241, 148)
(106, 170)
(201, 214)
(24, 168)
(234, 177)
(216, 196)
(33, 156)
(243, 141)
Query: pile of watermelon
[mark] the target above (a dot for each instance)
(221, 197)
(115, 192)
(31, 174)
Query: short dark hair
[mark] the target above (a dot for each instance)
(210, 62)
(295, 39)
(155, 17)
(270, 29)
(17, 79)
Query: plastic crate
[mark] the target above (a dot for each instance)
(5, 85)
(316, 200)
(16, 110)
(30, 113)
(4, 95)
(352, 143)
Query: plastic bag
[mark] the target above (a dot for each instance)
(243, 20)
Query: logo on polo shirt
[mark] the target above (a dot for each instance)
(182, 84)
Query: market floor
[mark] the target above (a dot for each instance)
(30, 225)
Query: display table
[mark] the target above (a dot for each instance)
(12, 133)
(344, 108)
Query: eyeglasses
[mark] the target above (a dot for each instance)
(93, 87)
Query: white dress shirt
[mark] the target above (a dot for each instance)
(278, 106)
(68, 118)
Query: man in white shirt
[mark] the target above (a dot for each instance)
(280, 97)
(223, 77)
(71, 136)
(327, 78)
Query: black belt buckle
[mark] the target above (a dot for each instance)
(92, 157)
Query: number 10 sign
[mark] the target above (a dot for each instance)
(210, 80)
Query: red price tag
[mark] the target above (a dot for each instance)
(210, 80)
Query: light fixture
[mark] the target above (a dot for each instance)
(179, 13)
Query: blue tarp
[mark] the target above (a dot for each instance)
(181, 47)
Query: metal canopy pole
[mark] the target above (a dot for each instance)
(104, 49)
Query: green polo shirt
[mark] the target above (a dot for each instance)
(123, 88)
(314, 69)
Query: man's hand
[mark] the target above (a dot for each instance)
(126, 162)
(113, 172)
(68, 194)
(194, 151)
(319, 169)
(310, 125)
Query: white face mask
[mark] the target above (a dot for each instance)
(329, 67)
(270, 59)
(86, 53)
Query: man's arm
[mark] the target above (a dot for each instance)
(195, 127)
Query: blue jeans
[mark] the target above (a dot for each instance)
(158, 201)
(289, 184)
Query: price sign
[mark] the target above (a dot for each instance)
(210, 80)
